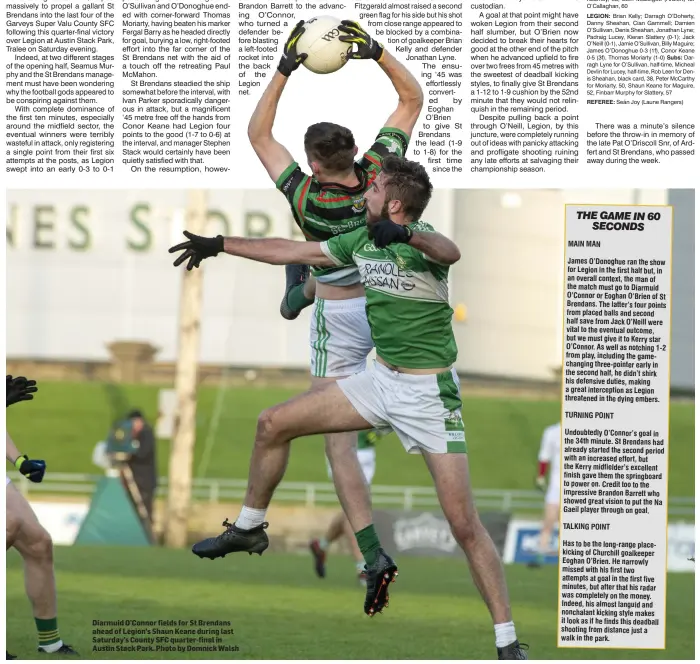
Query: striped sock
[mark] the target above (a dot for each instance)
(49, 636)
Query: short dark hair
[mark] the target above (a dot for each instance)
(134, 414)
(407, 181)
(330, 145)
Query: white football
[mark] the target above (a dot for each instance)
(321, 42)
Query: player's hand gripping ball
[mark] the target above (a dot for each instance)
(196, 249)
(291, 58)
(19, 389)
(368, 48)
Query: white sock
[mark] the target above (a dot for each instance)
(323, 543)
(54, 647)
(505, 634)
(250, 518)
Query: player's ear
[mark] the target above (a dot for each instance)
(315, 168)
(355, 150)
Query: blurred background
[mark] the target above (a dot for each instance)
(92, 314)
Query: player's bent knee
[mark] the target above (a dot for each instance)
(38, 545)
(466, 531)
(11, 530)
(269, 429)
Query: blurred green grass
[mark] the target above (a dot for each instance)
(278, 609)
(66, 420)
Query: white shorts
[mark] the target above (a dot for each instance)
(368, 462)
(340, 337)
(553, 495)
(424, 411)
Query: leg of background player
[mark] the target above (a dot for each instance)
(551, 516)
(451, 477)
(34, 544)
(338, 527)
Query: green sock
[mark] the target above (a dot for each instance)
(48, 631)
(296, 300)
(368, 542)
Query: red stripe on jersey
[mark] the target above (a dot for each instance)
(374, 161)
(338, 199)
(302, 195)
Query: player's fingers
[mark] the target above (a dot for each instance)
(181, 259)
(302, 57)
(180, 247)
(192, 263)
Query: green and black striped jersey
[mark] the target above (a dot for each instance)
(323, 210)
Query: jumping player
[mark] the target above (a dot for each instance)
(339, 526)
(28, 536)
(550, 448)
(330, 202)
(413, 388)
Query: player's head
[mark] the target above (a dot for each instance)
(330, 149)
(401, 192)
(137, 420)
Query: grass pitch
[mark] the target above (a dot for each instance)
(278, 609)
(65, 421)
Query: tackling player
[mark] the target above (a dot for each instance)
(367, 456)
(329, 202)
(29, 537)
(413, 388)
(550, 449)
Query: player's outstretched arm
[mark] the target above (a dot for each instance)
(410, 93)
(275, 251)
(273, 155)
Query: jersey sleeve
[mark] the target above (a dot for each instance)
(438, 270)
(388, 141)
(341, 248)
(294, 184)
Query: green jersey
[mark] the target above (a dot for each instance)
(323, 210)
(407, 299)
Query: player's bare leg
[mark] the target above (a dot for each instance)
(451, 477)
(354, 496)
(324, 409)
(33, 543)
(551, 516)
